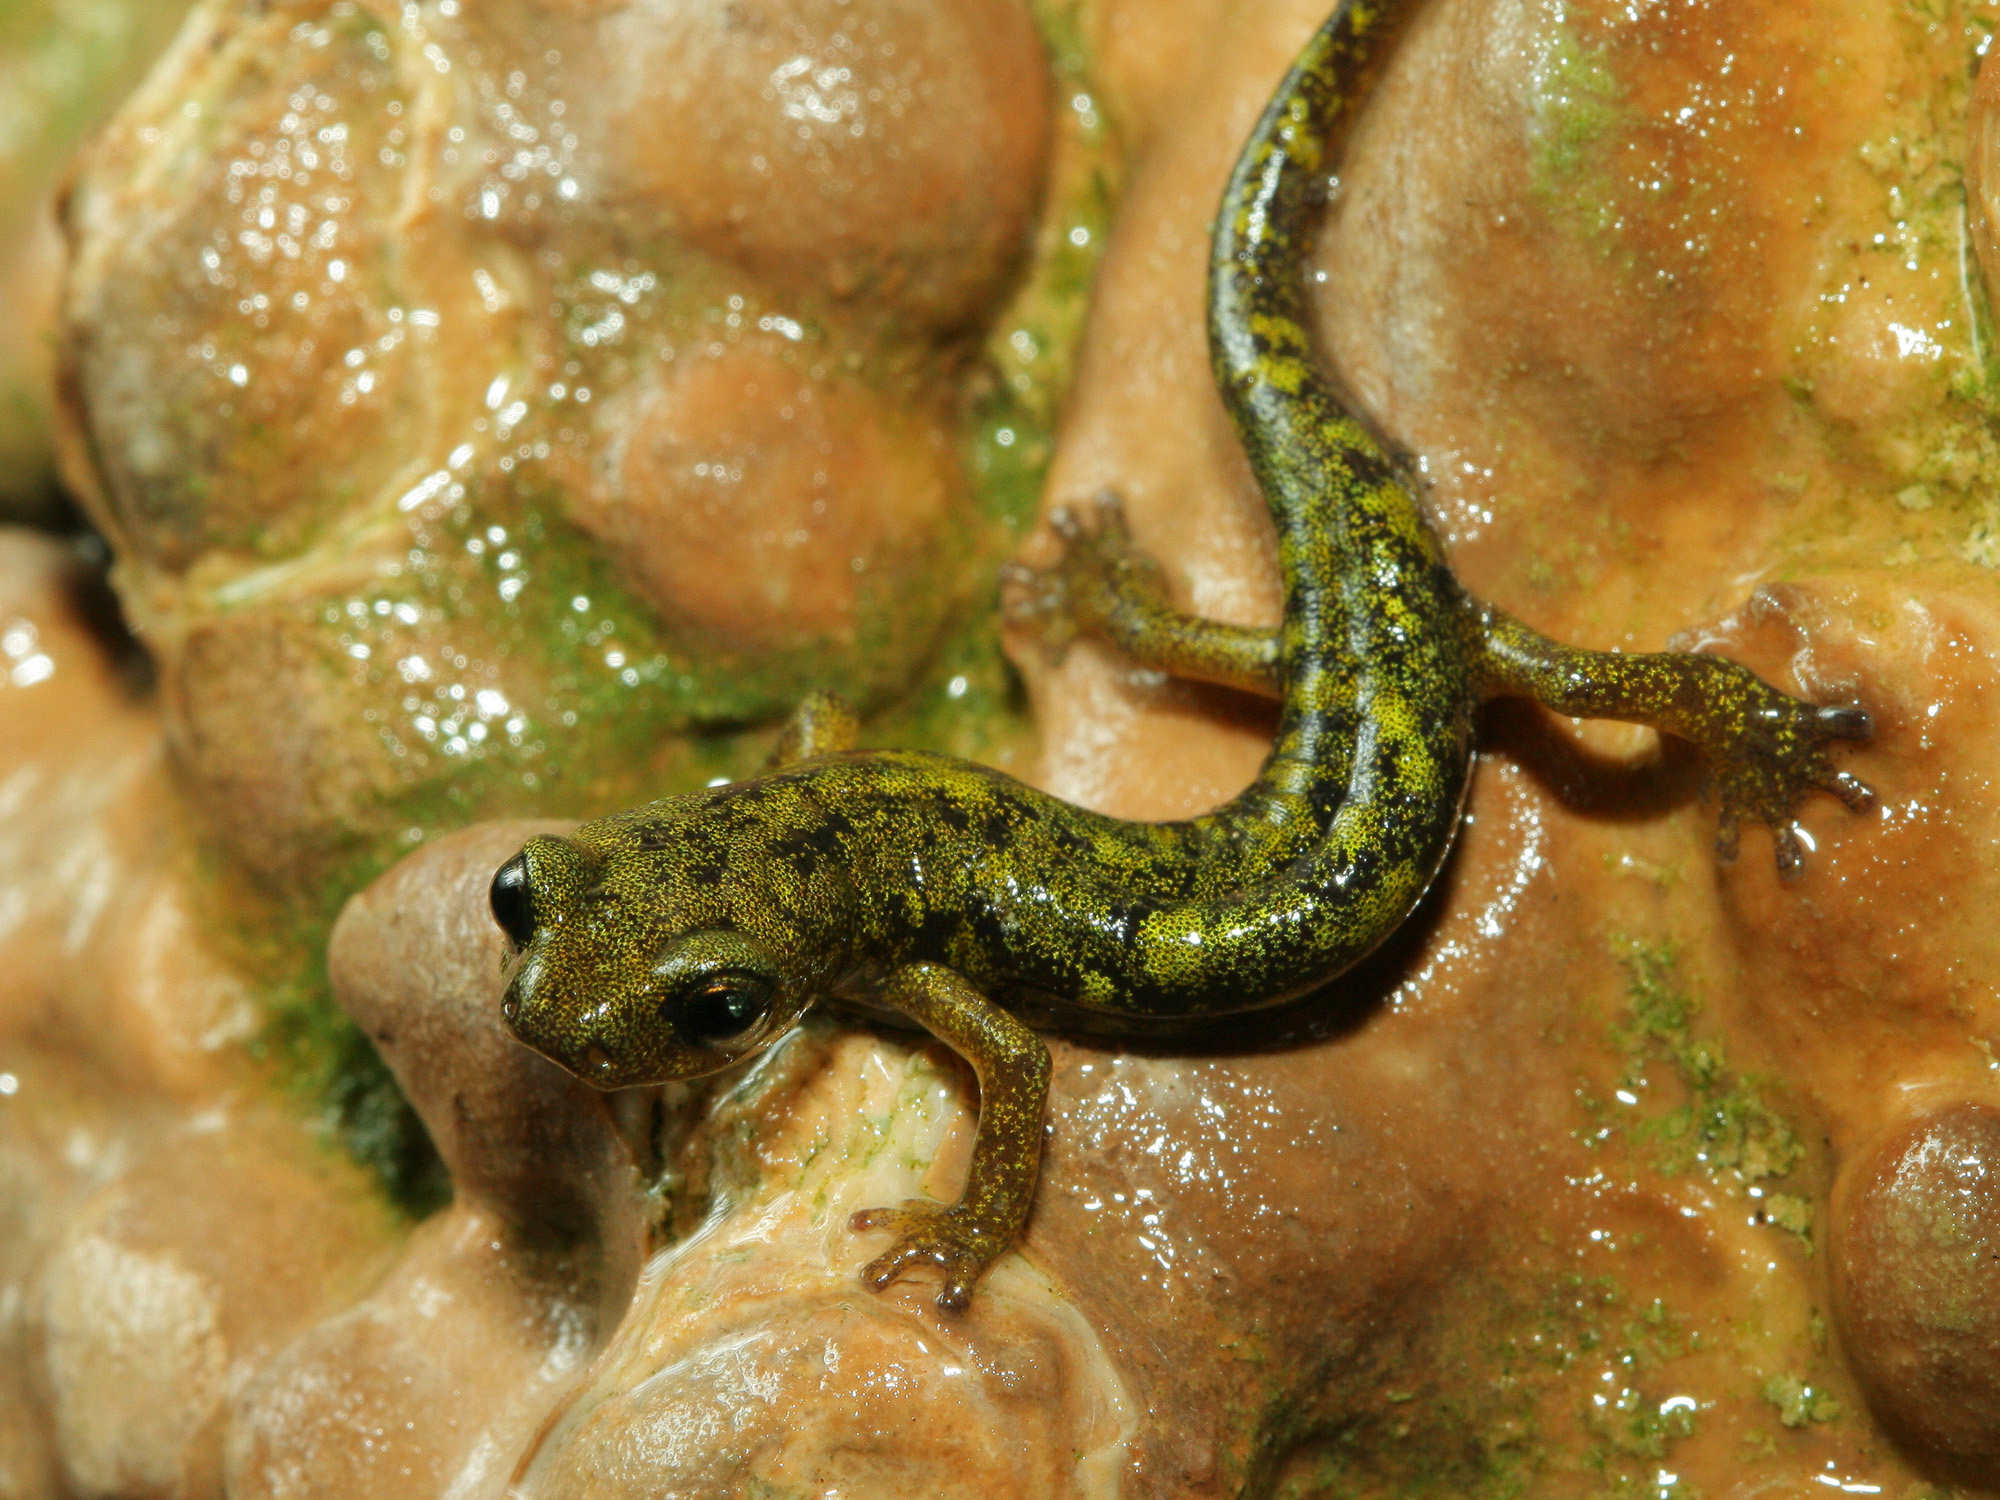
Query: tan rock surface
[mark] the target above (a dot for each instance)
(1619, 1172)
(164, 1224)
(64, 65)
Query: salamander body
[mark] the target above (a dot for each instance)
(679, 937)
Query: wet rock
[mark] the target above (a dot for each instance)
(754, 507)
(751, 1357)
(437, 1380)
(177, 1281)
(392, 334)
(63, 68)
(889, 157)
(164, 1226)
(1534, 1203)
(1917, 1241)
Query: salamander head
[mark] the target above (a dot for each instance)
(642, 954)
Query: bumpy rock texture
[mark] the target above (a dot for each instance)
(1621, 1172)
(168, 1225)
(477, 399)
(64, 65)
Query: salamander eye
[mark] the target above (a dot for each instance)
(513, 906)
(721, 1006)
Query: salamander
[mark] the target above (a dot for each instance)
(681, 937)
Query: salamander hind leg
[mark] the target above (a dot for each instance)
(966, 1237)
(1767, 751)
(1103, 586)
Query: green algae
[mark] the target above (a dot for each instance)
(1440, 1451)
(1573, 1383)
(1929, 460)
(1557, 1378)
(1032, 350)
(1575, 109)
(321, 1058)
(332, 1066)
(1723, 1128)
(1798, 1403)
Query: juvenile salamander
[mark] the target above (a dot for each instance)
(679, 937)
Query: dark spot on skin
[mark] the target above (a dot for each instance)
(808, 848)
(1069, 842)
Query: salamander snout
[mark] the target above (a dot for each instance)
(619, 979)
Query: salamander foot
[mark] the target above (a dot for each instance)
(946, 1235)
(1771, 757)
(1099, 576)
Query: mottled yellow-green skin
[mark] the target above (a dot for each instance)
(955, 894)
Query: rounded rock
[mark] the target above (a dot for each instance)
(888, 155)
(1916, 1270)
(769, 510)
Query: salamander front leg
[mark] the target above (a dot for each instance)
(822, 724)
(1103, 586)
(1767, 750)
(1013, 1067)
